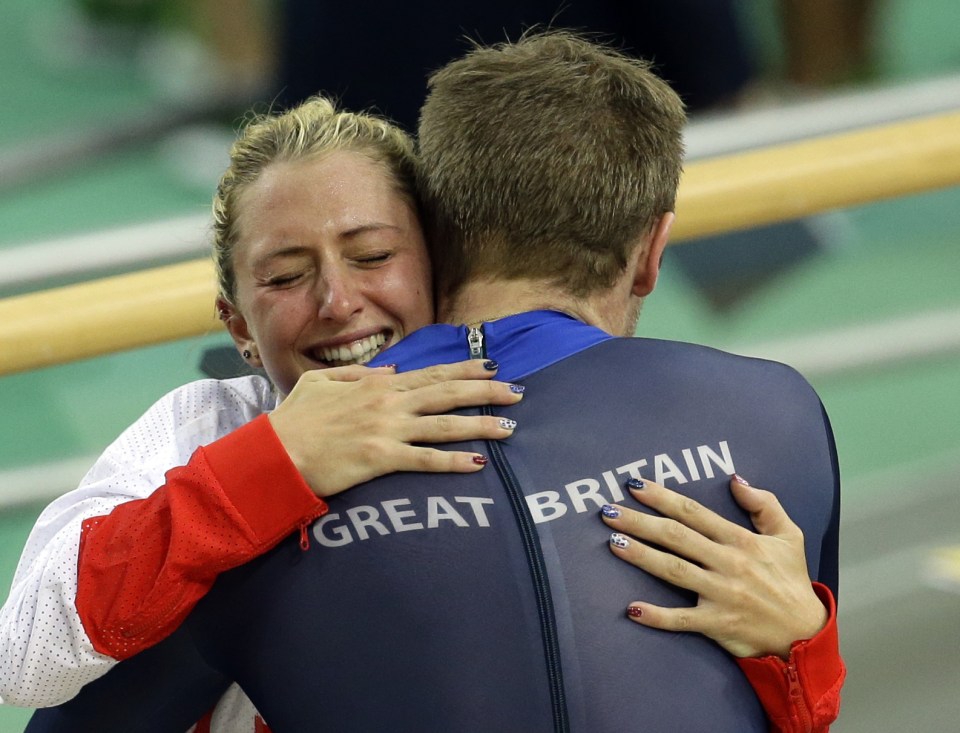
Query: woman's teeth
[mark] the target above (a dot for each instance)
(359, 352)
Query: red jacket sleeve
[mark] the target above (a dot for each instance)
(144, 566)
(802, 694)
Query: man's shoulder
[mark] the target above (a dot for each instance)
(691, 359)
(685, 375)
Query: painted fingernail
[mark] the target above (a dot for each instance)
(740, 479)
(390, 366)
(634, 611)
(634, 483)
(480, 460)
(610, 512)
(517, 388)
(490, 365)
(618, 540)
(507, 424)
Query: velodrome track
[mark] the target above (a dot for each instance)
(898, 628)
(890, 269)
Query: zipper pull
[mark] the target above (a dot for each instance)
(475, 342)
(793, 678)
(304, 537)
(796, 697)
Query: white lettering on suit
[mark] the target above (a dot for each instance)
(546, 506)
(583, 495)
(359, 522)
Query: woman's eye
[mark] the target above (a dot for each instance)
(281, 280)
(373, 259)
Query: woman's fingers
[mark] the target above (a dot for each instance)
(446, 387)
(431, 390)
(347, 425)
(754, 591)
(447, 396)
(765, 510)
(666, 619)
(439, 373)
(435, 460)
(677, 514)
(454, 428)
(665, 565)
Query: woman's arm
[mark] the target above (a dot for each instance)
(47, 655)
(150, 544)
(755, 597)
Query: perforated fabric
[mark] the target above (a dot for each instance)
(45, 654)
(146, 564)
(234, 713)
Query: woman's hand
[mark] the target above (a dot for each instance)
(346, 425)
(755, 595)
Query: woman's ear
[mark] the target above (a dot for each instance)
(236, 326)
(648, 265)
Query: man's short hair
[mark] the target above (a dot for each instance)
(546, 158)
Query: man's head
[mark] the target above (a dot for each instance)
(546, 159)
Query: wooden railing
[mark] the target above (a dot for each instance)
(716, 195)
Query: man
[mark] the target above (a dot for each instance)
(483, 601)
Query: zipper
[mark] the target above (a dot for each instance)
(796, 697)
(534, 555)
(475, 343)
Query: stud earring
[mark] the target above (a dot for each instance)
(247, 354)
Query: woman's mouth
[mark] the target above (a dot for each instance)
(356, 352)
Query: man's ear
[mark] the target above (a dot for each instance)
(648, 265)
(240, 333)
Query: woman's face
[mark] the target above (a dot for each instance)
(331, 266)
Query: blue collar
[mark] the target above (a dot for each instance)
(521, 344)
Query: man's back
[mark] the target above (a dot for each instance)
(488, 601)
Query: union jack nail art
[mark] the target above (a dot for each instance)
(618, 540)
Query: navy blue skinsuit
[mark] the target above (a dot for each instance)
(488, 601)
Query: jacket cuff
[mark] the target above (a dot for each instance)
(818, 667)
(269, 493)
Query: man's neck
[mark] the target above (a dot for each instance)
(484, 301)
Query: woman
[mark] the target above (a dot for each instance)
(349, 218)
(317, 252)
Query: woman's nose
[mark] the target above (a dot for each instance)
(340, 297)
